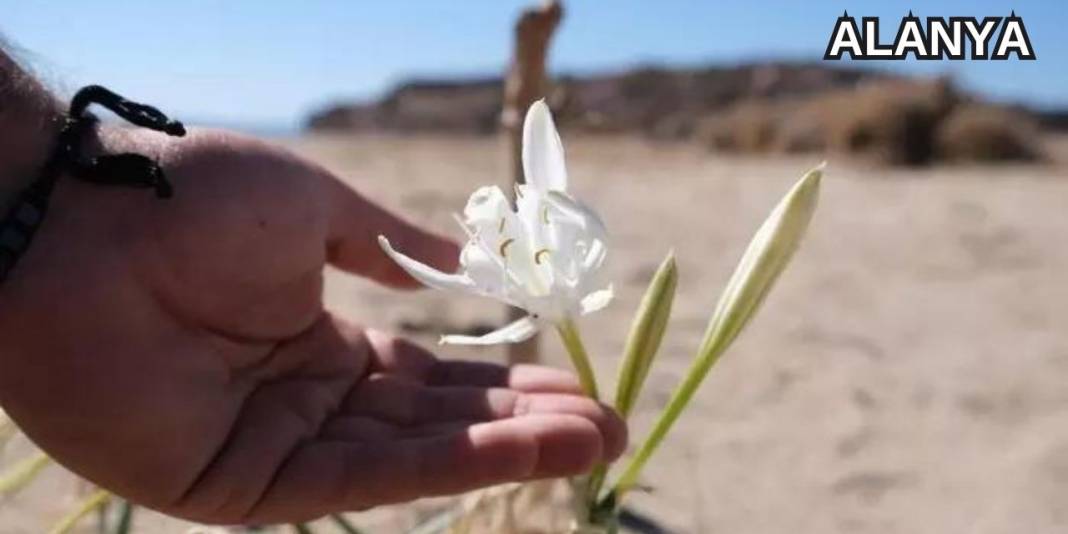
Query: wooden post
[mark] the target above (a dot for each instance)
(526, 82)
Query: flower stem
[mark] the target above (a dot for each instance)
(595, 482)
(569, 334)
(580, 359)
(667, 418)
(125, 518)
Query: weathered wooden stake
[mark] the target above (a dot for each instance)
(526, 82)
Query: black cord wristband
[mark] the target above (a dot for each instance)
(29, 208)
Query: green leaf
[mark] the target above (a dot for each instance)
(646, 333)
(23, 473)
(301, 528)
(94, 501)
(125, 518)
(764, 260)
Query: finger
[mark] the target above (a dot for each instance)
(407, 404)
(403, 359)
(358, 429)
(325, 477)
(355, 224)
(368, 429)
(399, 357)
(522, 377)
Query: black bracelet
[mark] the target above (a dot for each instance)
(131, 170)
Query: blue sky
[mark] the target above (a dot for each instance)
(270, 62)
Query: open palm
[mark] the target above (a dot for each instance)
(177, 352)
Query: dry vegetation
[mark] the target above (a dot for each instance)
(894, 122)
(757, 108)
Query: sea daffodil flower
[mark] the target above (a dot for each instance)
(545, 256)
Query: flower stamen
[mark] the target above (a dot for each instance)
(504, 247)
(537, 255)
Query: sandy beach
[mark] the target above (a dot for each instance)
(907, 375)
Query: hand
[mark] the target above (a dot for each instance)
(177, 352)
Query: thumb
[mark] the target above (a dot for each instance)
(355, 224)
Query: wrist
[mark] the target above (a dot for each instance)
(30, 121)
(25, 145)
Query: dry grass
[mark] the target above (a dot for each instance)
(891, 122)
(984, 133)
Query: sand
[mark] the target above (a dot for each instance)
(907, 375)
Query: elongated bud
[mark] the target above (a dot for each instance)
(765, 258)
(646, 333)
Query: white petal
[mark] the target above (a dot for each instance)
(543, 153)
(595, 257)
(484, 270)
(580, 212)
(505, 239)
(580, 228)
(533, 216)
(426, 274)
(486, 206)
(518, 331)
(596, 300)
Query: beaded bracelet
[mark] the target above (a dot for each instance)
(30, 206)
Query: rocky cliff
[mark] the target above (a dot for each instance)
(656, 101)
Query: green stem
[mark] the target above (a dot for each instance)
(569, 334)
(344, 524)
(670, 414)
(125, 518)
(91, 503)
(21, 474)
(102, 520)
(595, 482)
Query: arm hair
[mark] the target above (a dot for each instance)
(30, 118)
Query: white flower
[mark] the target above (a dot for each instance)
(544, 257)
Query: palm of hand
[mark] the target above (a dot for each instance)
(178, 354)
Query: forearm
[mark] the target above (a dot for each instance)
(30, 119)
